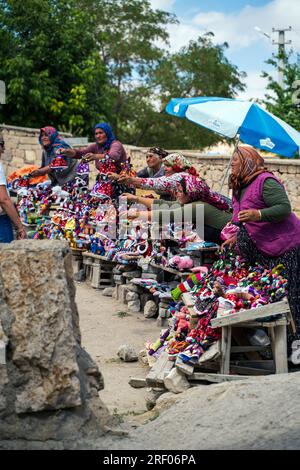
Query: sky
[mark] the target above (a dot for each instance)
(234, 21)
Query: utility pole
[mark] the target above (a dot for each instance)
(281, 52)
(2, 92)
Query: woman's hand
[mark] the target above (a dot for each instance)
(90, 157)
(129, 197)
(21, 233)
(39, 172)
(229, 242)
(249, 215)
(113, 176)
(34, 173)
(124, 179)
(68, 152)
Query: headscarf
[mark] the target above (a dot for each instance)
(108, 132)
(251, 164)
(158, 151)
(179, 163)
(198, 190)
(56, 141)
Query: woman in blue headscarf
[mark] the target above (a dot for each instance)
(109, 156)
(60, 170)
(106, 145)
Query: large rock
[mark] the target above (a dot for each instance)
(132, 296)
(150, 309)
(127, 353)
(256, 413)
(46, 369)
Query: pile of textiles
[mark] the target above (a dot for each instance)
(159, 289)
(20, 178)
(229, 286)
(85, 221)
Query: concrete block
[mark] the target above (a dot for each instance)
(176, 382)
(134, 306)
(132, 296)
(30, 156)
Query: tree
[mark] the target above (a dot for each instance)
(50, 64)
(198, 69)
(71, 63)
(284, 102)
(129, 32)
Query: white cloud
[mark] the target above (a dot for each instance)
(162, 4)
(256, 86)
(237, 28)
(181, 34)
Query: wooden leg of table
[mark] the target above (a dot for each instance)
(271, 334)
(225, 349)
(280, 349)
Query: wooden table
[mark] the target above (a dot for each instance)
(200, 253)
(248, 319)
(98, 270)
(170, 270)
(275, 317)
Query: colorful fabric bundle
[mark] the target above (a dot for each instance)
(186, 286)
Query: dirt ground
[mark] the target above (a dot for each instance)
(103, 331)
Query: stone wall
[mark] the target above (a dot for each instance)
(22, 148)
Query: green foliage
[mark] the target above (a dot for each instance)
(50, 65)
(284, 102)
(72, 63)
(199, 69)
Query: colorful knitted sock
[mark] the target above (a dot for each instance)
(186, 286)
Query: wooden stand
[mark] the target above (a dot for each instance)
(202, 255)
(248, 319)
(253, 318)
(166, 269)
(77, 259)
(98, 270)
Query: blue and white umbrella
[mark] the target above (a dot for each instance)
(247, 120)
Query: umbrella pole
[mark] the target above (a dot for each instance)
(237, 141)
